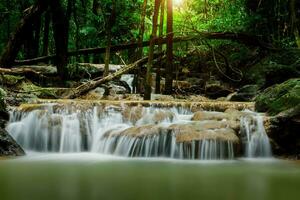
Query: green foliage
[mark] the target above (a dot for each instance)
(227, 15)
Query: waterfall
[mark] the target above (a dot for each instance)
(128, 78)
(136, 131)
(255, 139)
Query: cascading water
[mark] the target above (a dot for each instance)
(128, 78)
(138, 132)
(256, 141)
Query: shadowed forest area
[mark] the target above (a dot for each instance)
(235, 42)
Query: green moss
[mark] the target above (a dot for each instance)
(11, 80)
(2, 102)
(279, 97)
(40, 92)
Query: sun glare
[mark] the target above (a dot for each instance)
(178, 2)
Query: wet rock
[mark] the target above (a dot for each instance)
(224, 134)
(160, 116)
(279, 97)
(136, 131)
(246, 93)
(184, 132)
(204, 115)
(161, 97)
(283, 129)
(8, 146)
(197, 98)
(132, 114)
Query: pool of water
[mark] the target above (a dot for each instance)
(95, 176)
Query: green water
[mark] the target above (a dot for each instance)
(85, 176)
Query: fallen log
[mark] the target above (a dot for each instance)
(100, 50)
(86, 87)
(244, 38)
(28, 73)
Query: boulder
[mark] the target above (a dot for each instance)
(194, 131)
(132, 114)
(8, 146)
(283, 130)
(204, 115)
(279, 97)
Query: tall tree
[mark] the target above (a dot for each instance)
(46, 30)
(170, 35)
(136, 84)
(294, 22)
(60, 27)
(109, 23)
(148, 83)
(160, 46)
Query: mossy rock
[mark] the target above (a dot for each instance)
(2, 102)
(4, 116)
(279, 97)
(275, 68)
(40, 92)
(10, 80)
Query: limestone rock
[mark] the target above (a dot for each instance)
(132, 114)
(203, 115)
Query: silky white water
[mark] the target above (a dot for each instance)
(101, 130)
(256, 141)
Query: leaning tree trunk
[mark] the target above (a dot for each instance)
(33, 14)
(148, 83)
(169, 67)
(86, 87)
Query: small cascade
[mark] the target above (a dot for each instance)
(137, 131)
(128, 78)
(165, 145)
(255, 139)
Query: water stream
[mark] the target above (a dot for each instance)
(141, 132)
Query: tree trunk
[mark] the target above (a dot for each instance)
(160, 46)
(136, 84)
(8, 19)
(61, 37)
(294, 23)
(148, 83)
(46, 34)
(32, 15)
(77, 24)
(169, 66)
(109, 25)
